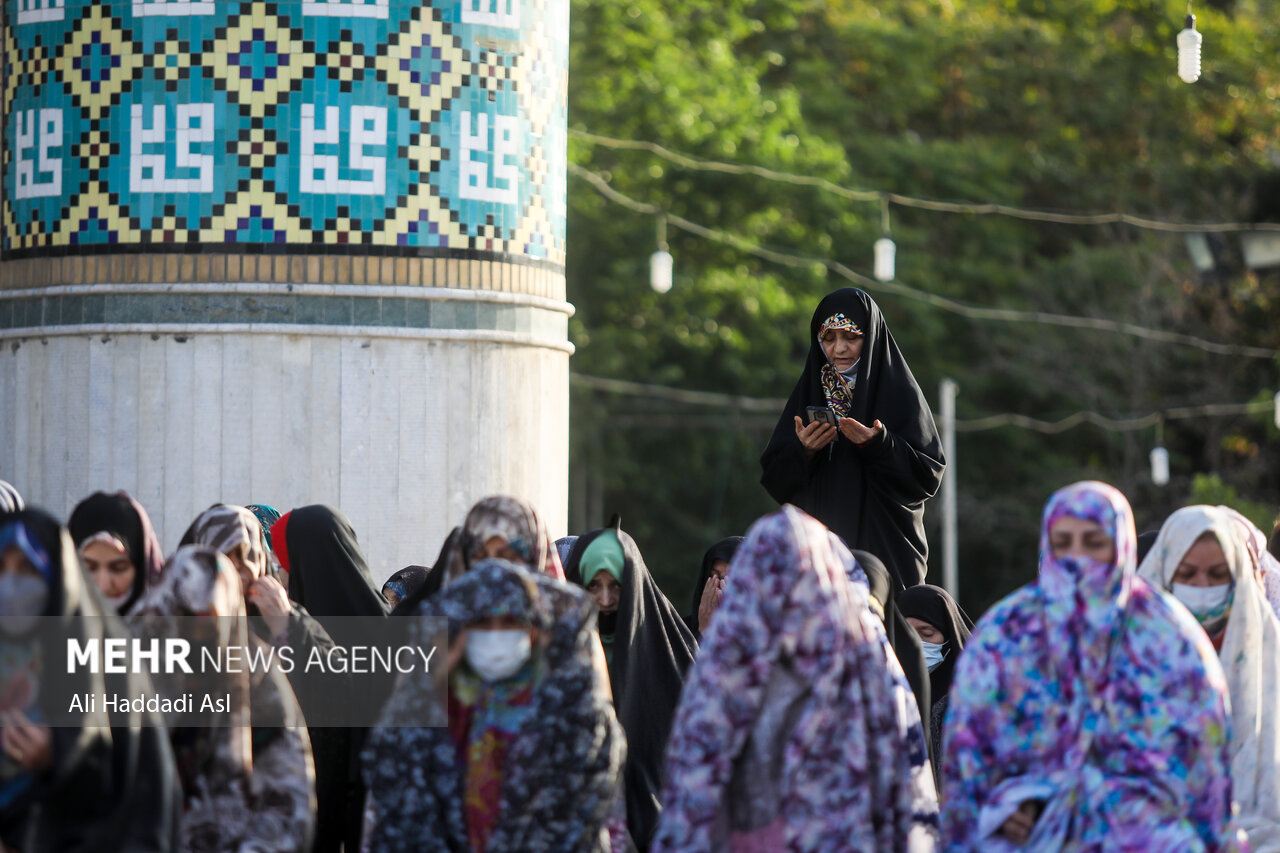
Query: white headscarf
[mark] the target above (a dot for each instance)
(1250, 656)
(1267, 566)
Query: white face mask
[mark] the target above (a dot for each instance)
(118, 601)
(934, 654)
(1202, 599)
(497, 655)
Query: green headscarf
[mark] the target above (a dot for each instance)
(604, 554)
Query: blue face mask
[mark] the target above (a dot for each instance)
(934, 654)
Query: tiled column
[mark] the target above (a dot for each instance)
(286, 253)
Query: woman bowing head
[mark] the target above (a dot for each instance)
(856, 446)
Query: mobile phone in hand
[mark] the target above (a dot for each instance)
(821, 415)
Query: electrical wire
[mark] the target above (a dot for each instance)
(968, 208)
(973, 312)
(733, 403)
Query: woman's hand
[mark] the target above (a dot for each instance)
(1019, 825)
(711, 595)
(857, 433)
(29, 745)
(272, 602)
(815, 436)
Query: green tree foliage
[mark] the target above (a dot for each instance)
(1059, 106)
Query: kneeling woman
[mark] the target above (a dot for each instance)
(1202, 558)
(529, 755)
(1087, 711)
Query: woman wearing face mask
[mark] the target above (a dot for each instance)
(247, 776)
(1203, 559)
(528, 757)
(708, 589)
(89, 782)
(943, 629)
(649, 648)
(867, 479)
(1087, 712)
(117, 546)
(794, 732)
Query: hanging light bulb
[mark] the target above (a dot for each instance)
(1159, 466)
(1189, 51)
(661, 264)
(885, 250)
(1160, 458)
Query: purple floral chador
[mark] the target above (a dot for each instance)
(1095, 695)
(795, 732)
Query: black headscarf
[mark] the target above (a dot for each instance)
(405, 582)
(905, 643)
(434, 580)
(722, 550)
(872, 496)
(1145, 541)
(113, 785)
(329, 578)
(652, 651)
(934, 605)
(328, 574)
(124, 518)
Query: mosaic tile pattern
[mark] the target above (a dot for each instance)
(380, 126)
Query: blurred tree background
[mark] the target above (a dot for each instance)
(1066, 106)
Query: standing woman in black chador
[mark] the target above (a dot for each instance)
(328, 575)
(868, 479)
(649, 649)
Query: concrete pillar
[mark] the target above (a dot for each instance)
(286, 253)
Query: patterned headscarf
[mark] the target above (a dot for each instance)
(248, 781)
(515, 521)
(852, 774)
(1251, 657)
(838, 389)
(223, 527)
(267, 515)
(563, 763)
(1095, 694)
